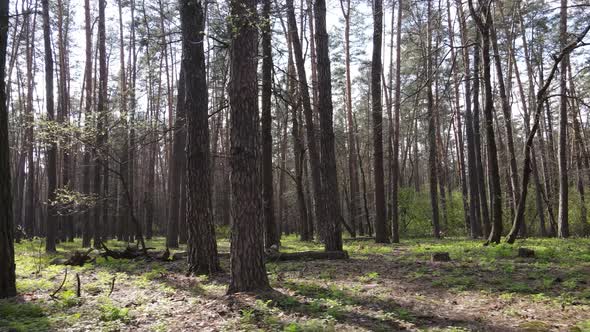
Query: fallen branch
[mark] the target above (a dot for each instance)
(359, 238)
(78, 286)
(60, 286)
(278, 256)
(307, 255)
(112, 286)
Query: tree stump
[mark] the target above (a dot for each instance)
(526, 253)
(440, 257)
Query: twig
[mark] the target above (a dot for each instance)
(60, 286)
(78, 288)
(112, 286)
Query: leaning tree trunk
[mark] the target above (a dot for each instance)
(541, 96)
(7, 267)
(248, 272)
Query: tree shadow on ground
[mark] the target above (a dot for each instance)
(365, 312)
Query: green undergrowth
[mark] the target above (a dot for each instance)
(315, 296)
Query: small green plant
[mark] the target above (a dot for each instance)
(247, 316)
(69, 299)
(370, 276)
(110, 312)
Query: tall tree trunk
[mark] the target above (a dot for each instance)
(271, 236)
(298, 146)
(7, 266)
(506, 110)
(248, 272)
(381, 233)
(540, 99)
(483, 21)
(125, 171)
(483, 201)
(132, 104)
(459, 125)
(562, 221)
(52, 219)
(525, 108)
(30, 220)
(354, 210)
(333, 216)
(314, 153)
(87, 226)
(63, 113)
(100, 122)
(201, 243)
(395, 172)
(432, 165)
(176, 164)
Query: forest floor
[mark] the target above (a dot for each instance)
(380, 288)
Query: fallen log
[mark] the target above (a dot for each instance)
(307, 255)
(285, 256)
(184, 255)
(77, 258)
(359, 238)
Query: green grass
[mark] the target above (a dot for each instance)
(22, 317)
(312, 301)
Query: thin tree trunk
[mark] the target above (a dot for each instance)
(432, 165)
(395, 169)
(354, 208)
(381, 232)
(467, 215)
(270, 226)
(314, 153)
(52, 219)
(541, 96)
(562, 219)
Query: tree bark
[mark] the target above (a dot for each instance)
(432, 165)
(314, 153)
(395, 169)
(459, 126)
(248, 272)
(540, 98)
(562, 219)
(176, 163)
(381, 235)
(87, 226)
(202, 244)
(333, 217)
(271, 237)
(52, 220)
(7, 266)
(354, 209)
